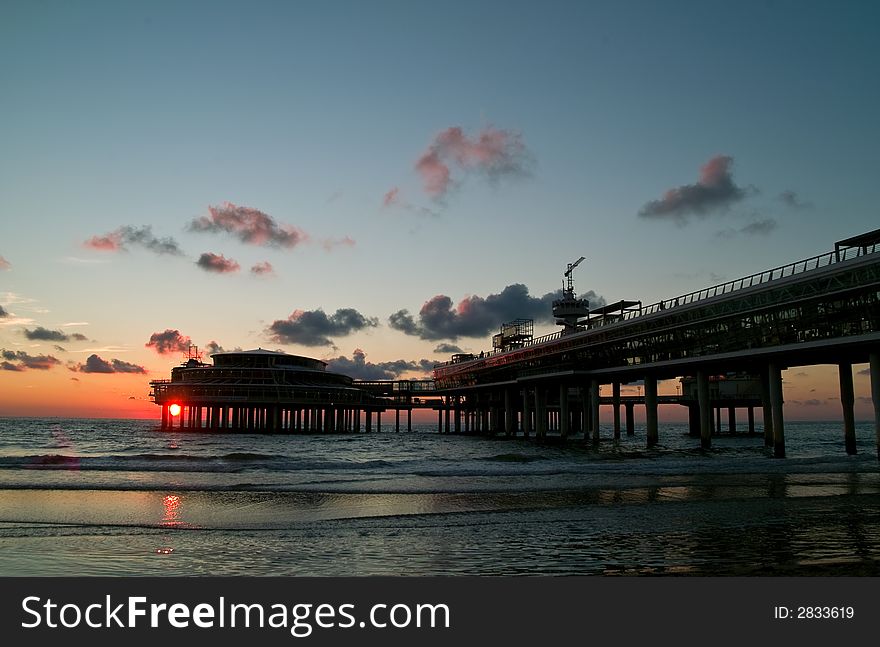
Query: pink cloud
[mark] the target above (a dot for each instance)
(715, 191)
(391, 197)
(435, 174)
(112, 242)
(262, 269)
(492, 152)
(249, 225)
(218, 263)
(4, 264)
(330, 243)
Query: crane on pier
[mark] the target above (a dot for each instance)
(567, 274)
(569, 309)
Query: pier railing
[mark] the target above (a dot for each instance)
(760, 278)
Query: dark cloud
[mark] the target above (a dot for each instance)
(263, 269)
(168, 342)
(865, 371)
(314, 327)
(791, 199)
(3, 313)
(44, 334)
(36, 362)
(120, 239)
(759, 227)
(813, 402)
(492, 153)
(213, 347)
(60, 349)
(754, 228)
(95, 364)
(447, 348)
(359, 368)
(7, 366)
(476, 316)
(249, 226)
(714, 191)
(217, 263)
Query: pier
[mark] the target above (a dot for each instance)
(821, 310)
(727, 345)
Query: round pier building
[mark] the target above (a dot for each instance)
(261, 391)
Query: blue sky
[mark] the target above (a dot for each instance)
(134, 114)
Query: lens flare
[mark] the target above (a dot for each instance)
(174, 409)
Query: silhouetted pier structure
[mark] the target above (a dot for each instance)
(730, 343)
(264, 391)
(821, 310)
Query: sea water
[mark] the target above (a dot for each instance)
(122, 497)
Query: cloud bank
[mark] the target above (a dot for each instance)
(314, 327)
(476, 316)
(95, 364)
(359, 368)
(26, 361)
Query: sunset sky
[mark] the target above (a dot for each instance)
(378, 183)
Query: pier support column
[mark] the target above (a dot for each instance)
(164, 416)
(776, 401)
(409, 419)
(651, 410)
(694, 420)
(448, 412)
(369, 421)
(615, 401)
(397, 420)
(731, 420)
(767, 409)
(847, 401)
(457, 414)
(594, 411)
(564, 419)
(705, 409)
(378, 421)
(527, 413)
(630, 418)
(540, 412)
(874, 359)
(509, 414)
(751, 421)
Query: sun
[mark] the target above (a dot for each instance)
(174, 409)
